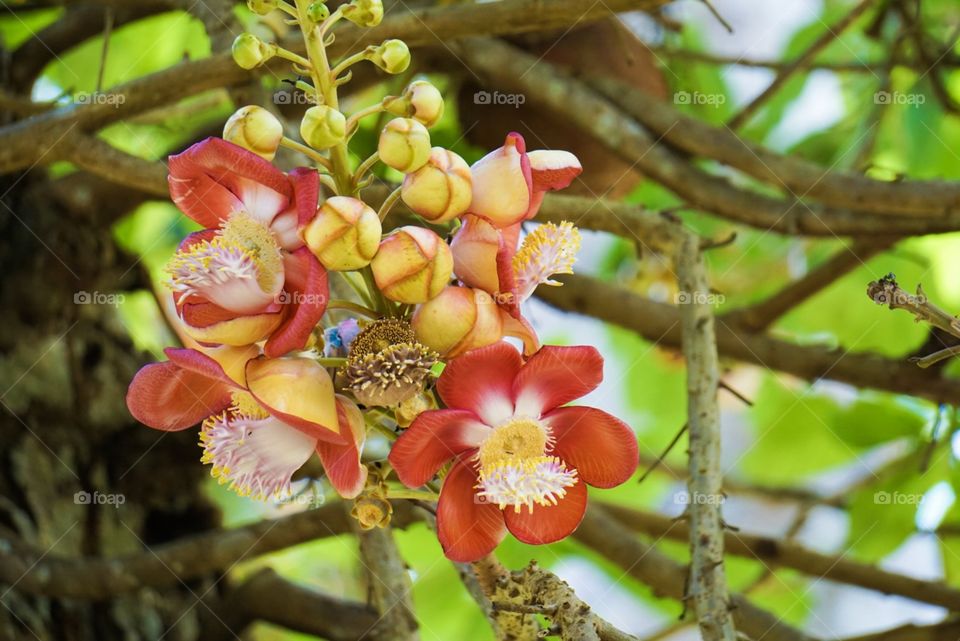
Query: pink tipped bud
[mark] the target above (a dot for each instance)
(412, 265)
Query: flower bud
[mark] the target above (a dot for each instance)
(255, 129)
(261, 7)
(421, 101)
(412, 265)
(441, 190)
(393, 56)
(372, 511)
(323, 127)
(318, 11)
(411, 408)
(250, 51)
(458, 320)
(344, 235)
(364, 13)
(404, 145)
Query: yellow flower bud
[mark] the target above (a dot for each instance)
(261, 7)
(364, 13)
(323, 127)
(255, 129)
(344, 235)
(404, 145)
(372, 511)
(393, 56)
(250, 51)
(421, 101)
(442, 189)
(458, 320)
(412, 265)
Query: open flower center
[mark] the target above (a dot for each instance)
(549, 249)
(515, 469)
(255, 453)
(240, 267)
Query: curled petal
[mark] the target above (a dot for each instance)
(548, 524)
(233, 360)
(215, 178)
(467, 527)
(520, 327)
(503, 184)
(212, 325)
(435, 437)
(169, 397)
(481, 381)
(553, 169)
(305, 294)
(475, 248)
(341, 462)
(602, 447)
(299, 392)
(555, 376)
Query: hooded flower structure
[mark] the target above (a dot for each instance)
(248, 276)
(262, 418)
(521, 459)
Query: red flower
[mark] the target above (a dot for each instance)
(521, 459)
(262, 418)
(248, 275)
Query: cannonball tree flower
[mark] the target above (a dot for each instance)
(489, 259)
(509, 183)
(521, 457)
(458, 320)
(247, 276)
(262, 419)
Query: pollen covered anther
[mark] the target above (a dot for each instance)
(514, 469)
(548, 250)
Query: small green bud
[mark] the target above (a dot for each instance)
(261, 7)
(250, 51)
(323, 127)
(392, 56)
(364, 13)
(318, 12)
(404, 145)
(420, 101)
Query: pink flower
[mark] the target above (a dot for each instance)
(262, 418)
(489, 259)
(521, 459)
(248, 275)
(509, 183)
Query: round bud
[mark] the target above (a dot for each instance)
(393, 56)
(364, 13)
(404, 145)
(458, 320)
(442, 189)
(344, 235)
(250, 51)
(318, 12)
(323, 127)
(255, 129)
(412, 265)
(420, 101)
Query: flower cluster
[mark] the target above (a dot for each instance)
(275, 370)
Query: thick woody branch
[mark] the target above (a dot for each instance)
(268, 597)
(388, 582)
(167, 565)
(26, 142)
(668, 578)
(660, 323)
(514, 70)
(837, 188)
(787, 554)
(708, 584)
